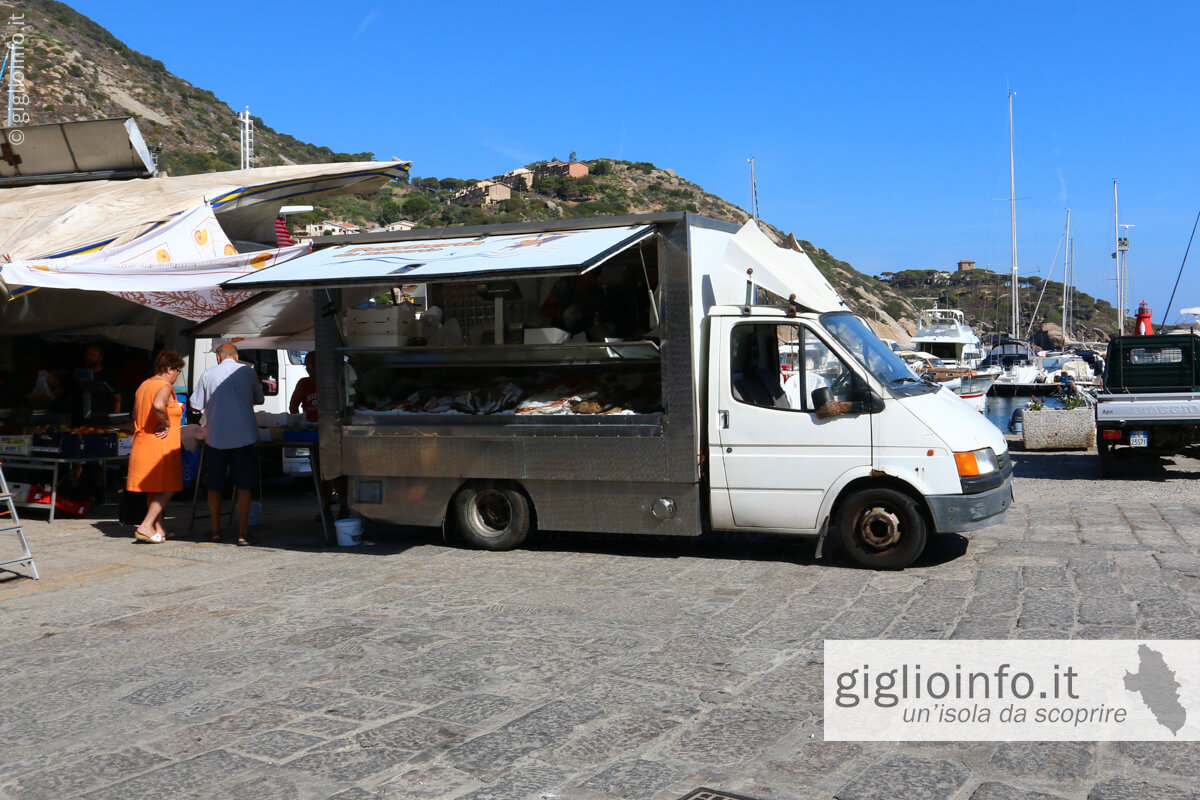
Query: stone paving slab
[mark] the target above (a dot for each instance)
(608, 667)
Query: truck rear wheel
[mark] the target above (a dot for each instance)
(881, 528)
(1106, 459)
(491, 517)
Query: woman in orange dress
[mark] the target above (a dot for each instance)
(155, 465)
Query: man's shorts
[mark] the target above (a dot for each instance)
(240, 463)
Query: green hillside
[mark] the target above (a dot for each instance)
(984, 298)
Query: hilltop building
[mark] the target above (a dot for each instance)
(965, 265)
(510, 179)
(392, 227)
(485, 193)
(574, 169)
(330, 228)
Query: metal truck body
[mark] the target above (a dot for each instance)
(851, 439)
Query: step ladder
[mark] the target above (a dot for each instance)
(11, 523)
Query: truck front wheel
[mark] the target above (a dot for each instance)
(881, 528)
(491, 517)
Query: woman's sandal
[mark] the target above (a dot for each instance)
(215, 537)
(152, 538)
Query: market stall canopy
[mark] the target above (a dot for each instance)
(432, 260)
(67, 152)
(779, 270)
(175, 268)
(287, 313)
(51, 220)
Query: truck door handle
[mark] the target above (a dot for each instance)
(724, 418)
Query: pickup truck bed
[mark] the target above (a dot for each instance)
(1151, 401)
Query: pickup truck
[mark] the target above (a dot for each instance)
(1151, 397)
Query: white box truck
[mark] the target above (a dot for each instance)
(651, 398)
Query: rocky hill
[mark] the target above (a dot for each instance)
(75, 69)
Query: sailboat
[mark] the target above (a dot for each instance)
(1020, 369)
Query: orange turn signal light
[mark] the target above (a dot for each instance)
(968, 467)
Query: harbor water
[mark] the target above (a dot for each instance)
(999, 410)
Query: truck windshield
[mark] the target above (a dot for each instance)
(854, 335)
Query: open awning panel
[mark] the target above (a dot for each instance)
(430, 260)
(67, 152)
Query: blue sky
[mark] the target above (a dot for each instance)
(879, 129)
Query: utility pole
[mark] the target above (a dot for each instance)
(247, 126)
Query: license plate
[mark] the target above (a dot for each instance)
(1138, 439)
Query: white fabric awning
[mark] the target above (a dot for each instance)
(428, 260)
(175, 268)
(63, 219)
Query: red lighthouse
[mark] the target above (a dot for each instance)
(1143, 324)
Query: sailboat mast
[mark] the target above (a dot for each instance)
(1069, 319)
(753, 190)
(1067, 277)
(1117, 260)
(1012, 204)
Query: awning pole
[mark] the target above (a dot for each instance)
(649, 291)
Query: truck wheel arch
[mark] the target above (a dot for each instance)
(511, 519)
(878, 480)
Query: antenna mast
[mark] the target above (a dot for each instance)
(1121, 257)
(1012, 203)
(247, 126)
(753, 190)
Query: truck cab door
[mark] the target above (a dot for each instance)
(790, 417)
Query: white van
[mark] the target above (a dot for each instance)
(706, 379)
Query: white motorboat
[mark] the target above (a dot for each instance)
(970, 384)
(944, 333)
(1020, 368)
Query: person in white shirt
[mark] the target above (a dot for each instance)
(227, 394)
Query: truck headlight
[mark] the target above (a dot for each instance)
(976, 462)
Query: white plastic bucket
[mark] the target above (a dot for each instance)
(349, 532)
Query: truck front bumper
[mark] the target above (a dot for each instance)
(955, 513)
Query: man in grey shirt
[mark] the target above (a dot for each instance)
(227, 394)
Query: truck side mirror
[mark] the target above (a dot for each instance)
(870, 404)
(821, 397)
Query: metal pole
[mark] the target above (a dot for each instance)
(1123, 258)
(1012, 203)
(1066, 277)
(12, 60)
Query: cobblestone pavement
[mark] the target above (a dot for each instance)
(580, 668)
